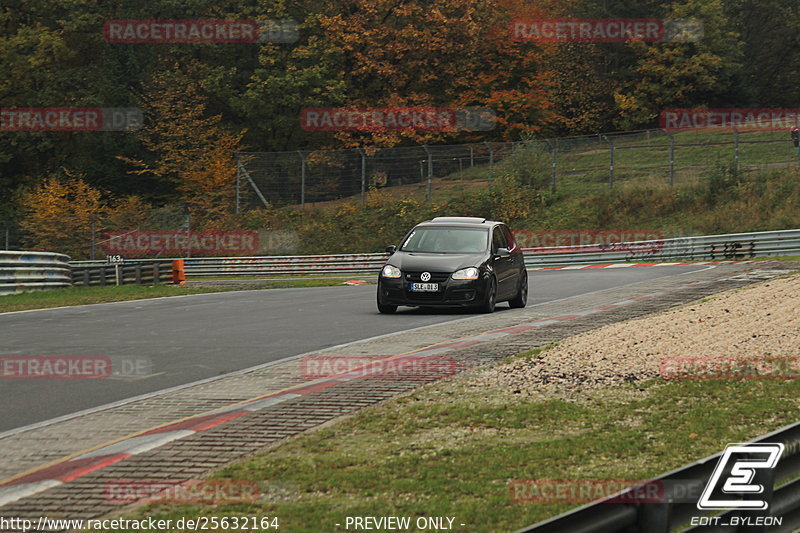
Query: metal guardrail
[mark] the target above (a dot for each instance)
(335, 264)
(122, 273)
(707, 247)
(24, 271)
(681, 489)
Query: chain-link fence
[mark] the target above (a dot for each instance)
(9, 235)
(574, 165)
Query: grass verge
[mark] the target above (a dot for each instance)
(97, 295)
(451, 449)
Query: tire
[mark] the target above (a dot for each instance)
(386, 309)
(490, 300)
(521, 299)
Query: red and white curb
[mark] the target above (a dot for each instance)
(627, 265)
(75, 467)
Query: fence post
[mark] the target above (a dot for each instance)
(188, 233)
(302, 179)
(253, 184)
(363, 175)
(611, 162)
(553, 161)
(94, 229)
(238, 180)
(671, 159)
(735, 151)
(491, 157)
(117, 274)
(430, 171)
(472, 156)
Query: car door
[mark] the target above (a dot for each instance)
(503, 266)
(517, 257)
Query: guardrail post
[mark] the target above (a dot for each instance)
(86, 278)
(102, 276)
(156, 274)
(138, 274)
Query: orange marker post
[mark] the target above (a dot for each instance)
(178, 272)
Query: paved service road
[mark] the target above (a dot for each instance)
(189, 338)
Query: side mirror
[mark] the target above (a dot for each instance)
(502, 252)
(391, 249)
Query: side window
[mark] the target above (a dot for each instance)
(509, 238)
(498, 239)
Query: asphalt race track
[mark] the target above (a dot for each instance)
(190, 338)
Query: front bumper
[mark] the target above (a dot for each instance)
(451, 293)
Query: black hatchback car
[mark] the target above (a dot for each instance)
(454, 261)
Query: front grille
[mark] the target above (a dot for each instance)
(436, 277)
(425, 296)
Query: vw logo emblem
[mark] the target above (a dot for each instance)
(426, 276)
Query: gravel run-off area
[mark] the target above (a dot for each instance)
(704, 339)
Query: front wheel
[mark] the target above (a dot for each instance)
(490, 299)
(521, 299)
(386, 309)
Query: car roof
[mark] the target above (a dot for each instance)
(459, 221)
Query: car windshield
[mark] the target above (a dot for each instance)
(447, 240)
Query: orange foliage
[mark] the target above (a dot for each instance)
(60, 213)
(192, 149)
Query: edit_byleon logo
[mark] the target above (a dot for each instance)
(734, 477)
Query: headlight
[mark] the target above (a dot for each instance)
(390, 271)
(466, 273)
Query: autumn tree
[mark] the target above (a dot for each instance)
(696, 73)
(61, 214)
(191, 148)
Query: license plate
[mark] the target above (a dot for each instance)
(425, 287)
